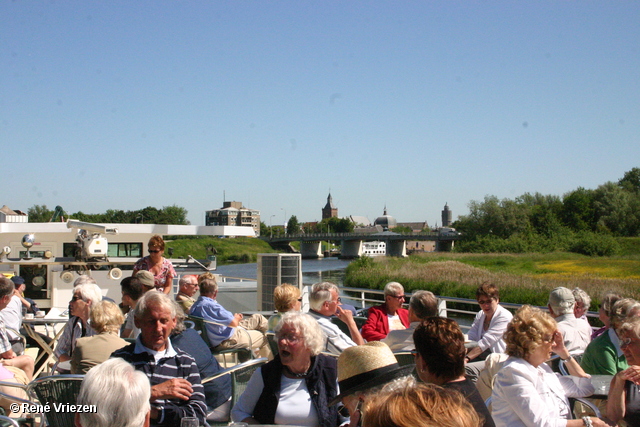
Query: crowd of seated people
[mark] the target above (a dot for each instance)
(324, 375)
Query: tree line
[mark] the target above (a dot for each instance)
(150, 215)
(583, 220)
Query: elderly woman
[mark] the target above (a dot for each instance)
(106, 319)
(419, 405)
(526, 392)
(487, 329)
(624, 393)
(296, 387)
(286, 298)
(157, 264)
(603, 355)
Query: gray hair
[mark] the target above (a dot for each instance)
(621, 311)
(154, 299)
(392, 288)
(208, 287)
(631, 325)
(187, 279)
(180, 318)
(424, 304)
(608, 300)
(313, 336)
(84, 279)
(89, 292)
(127, 402)
(582, 297)
(320, 293)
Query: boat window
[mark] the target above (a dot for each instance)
(125, 250)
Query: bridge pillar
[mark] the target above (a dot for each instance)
(311, 250)
(397, 248)
(351, 249)
(444, 245)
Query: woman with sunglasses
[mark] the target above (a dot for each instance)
(295, 388)
(526, 391)
(487, 329)
(157, 264)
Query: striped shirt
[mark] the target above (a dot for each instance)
(163, 367)
(5, 345)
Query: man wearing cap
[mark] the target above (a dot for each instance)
(188, 287)
(132, 289)
(575, 332)
(362, 371)
(325, 303)
(423, 304)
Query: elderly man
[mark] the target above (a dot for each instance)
(422, 305)
(7, 356)
(324, 303)
(112, 408)
(576, 332)
(188, 286)
(227, 334)
(85, 293)
(176, 391)
(389, 316)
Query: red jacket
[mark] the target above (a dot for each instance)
(377, 326)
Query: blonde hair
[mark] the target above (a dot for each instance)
(106, 317)
(419, 405)
(207, 275)
(528, 330)
(285, 297)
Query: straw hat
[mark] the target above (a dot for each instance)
(365, 366)
(146, 278)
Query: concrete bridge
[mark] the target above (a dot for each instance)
(352, 243)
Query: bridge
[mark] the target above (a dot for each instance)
(352, 243)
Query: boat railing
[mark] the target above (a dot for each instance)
(447, 306)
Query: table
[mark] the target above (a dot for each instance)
(601, 384)
(29, 326)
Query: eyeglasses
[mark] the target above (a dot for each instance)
(625, 342)
(291, 338)
(300, 299)
(485, 302)
(397, 296)
(154, 251)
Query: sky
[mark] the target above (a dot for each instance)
(404, 104)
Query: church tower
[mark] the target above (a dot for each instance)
(329, 210)
(447, 216)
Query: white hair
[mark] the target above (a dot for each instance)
(119, 393)
(392, 288)
(582, 296)
(154, 299)
(321, 292)
(89, 291)
(83, 279)
(313, 336)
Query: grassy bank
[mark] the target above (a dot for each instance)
(228, 251)
(521, 278)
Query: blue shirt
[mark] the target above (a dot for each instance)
(210, 309)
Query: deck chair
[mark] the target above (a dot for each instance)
(237, 355)
(240, 375)
(561, 364)
(343, 326)
(273, 343)
(406, 358)
(8, 422)
(59, 389)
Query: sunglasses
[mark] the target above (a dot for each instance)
(75, 298)
(154, 251)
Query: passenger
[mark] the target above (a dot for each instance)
(85, 294)
(362, 372)
(422, 305)
(487, 329)
(286, 298)
(604, 312)
(295, 388)
(12, 317)
(440, 360)
(217, 393)
(157, 264)
(125, 405)
(576, 333)
(624, 396)
(188, 286)
(228, 335)
(604, 355)
(389, 316)
(324, 302)
(176, 390)
(583, 302)
(7, 356)
(132, 289)
(106, 320)
(411, 404)
(526, 392)
(10, 394)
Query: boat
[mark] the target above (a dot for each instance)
(373, 249)
(50, 256)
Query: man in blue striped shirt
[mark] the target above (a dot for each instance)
(176, 391)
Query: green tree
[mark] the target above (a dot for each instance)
(172, 215)
(293, 226)
(631, 181)
(578, 210)
(402, 230)
(39, 213)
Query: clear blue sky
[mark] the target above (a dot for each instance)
(123, 105)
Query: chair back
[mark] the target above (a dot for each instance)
(58, 389)
(273, 344)
(238, 354)
(343, 326)
(561, 363)
(8, 422)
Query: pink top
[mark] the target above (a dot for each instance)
(160, 278)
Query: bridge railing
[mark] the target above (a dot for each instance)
(447, 306)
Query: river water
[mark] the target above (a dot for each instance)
(313, 270)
